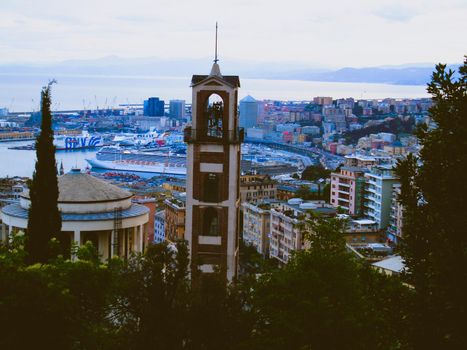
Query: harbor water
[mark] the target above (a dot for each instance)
(21, 162)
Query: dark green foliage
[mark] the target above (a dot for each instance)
(434, 195)
(315, 172)
(44, 223)
(62, 305)
(252, 263)
(393, 126)
(152, 301)
(325, 299)
(305, 193)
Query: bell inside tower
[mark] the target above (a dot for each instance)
(214, 114)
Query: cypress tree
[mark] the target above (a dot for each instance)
(434, 196)
(44, 221)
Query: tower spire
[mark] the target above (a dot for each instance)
(215, 52)
(215, 70)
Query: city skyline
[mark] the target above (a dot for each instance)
(358, 34)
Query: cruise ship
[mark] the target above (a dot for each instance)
(164, 161)
(171, 160)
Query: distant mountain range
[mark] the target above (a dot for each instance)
(409, 74)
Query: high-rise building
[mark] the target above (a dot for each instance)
(154, 107)
(248, 112)
(347, 189)
(378, 194)
(177, 108)
(257, 226)
(394, 231)
(213, 174)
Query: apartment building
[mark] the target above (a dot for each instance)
(255, 188)
(257, 226)
(347, 189)
(159, 226)
(378, 194)
(394, 231)
(360, 160)
(286, 231)
(175, 212)
(361, 231)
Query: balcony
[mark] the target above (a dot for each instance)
(191, 135)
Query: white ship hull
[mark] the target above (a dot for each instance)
(144, 167)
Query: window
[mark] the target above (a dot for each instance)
(211, 187)
(211, 222)
(214, 113)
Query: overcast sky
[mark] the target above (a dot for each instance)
(333, 33)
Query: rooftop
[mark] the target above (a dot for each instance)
(135, 210)
(354, 169)
(233, 80)
(77, 187)
(394, 263)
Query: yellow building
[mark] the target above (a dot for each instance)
(174, 218)
(257, 187)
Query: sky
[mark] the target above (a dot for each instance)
(332, 33)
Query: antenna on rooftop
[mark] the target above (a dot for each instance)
(215, 54)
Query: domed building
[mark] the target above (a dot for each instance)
(92, 210)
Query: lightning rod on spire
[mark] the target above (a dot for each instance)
(215, 53)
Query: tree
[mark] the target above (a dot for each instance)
(44, 222)
(152, 302)
(315, 172)
(326, 299)
(434, 197)
(62, 304)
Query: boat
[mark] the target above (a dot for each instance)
(138, 166)
(144, 139)
(83, 141)
(118, 159)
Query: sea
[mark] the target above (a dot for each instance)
(21, 93)
(21, 162)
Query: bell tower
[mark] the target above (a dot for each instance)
(213, 173)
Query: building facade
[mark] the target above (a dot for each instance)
(154, 107)
(255, 188)
(347, 189)
(159, 226)
(177, 108)
(213, 174)
(248, 112)
(257, 226)
(92, 210)
(175, 212)
(287, 219)
(378, 194)
(361, 231)
(394, 231)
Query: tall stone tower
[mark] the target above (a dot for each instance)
(213, 174)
